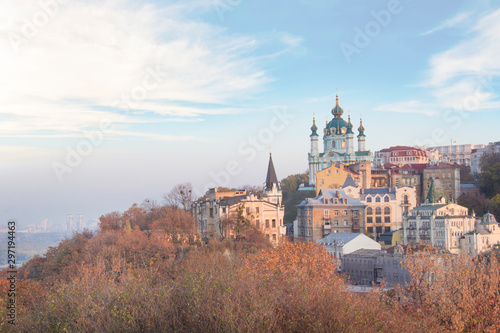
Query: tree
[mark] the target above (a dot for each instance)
(181, 196)
(489, 178)
(291, 183)
(111, 221)
(236, 222)
(475, 201)
(466, 177)
(256, 190)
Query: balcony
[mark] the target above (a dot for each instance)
(412, 227)
(327, 227)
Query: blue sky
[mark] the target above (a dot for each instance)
(107, 103)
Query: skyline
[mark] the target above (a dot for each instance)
(157, 93)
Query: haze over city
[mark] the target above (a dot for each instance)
(107, 103)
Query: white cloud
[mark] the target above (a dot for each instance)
(450, 23)
(408, 107)
(463, 77)
(91, 55)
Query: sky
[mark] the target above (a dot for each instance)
(107, 103)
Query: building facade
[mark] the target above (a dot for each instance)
(443, 179)
(485, 237)
(401, 155)
(338, 144)
(368, 267)
(332, 211)
(439, 224)
(221, 213)
(478, 152)
(386, 207)
(459, 154)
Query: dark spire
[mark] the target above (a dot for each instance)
(271, 175)
(430, 195)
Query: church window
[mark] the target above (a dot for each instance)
(378, 211)
(387, 211)
(369, 211)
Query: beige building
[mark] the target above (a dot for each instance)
(485, 237)
(439, 224)
(224, 213)
(385, 208)
(331, 211)
(443, 179)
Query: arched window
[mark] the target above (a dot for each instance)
(387, 211)
(378, 211)
(369, 211)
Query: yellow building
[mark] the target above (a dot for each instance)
(334, 176)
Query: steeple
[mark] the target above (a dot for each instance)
(361, 129)
(430, 195)
(337, 111)
(272, 190)
(314, 128)
(271, 175)
(349, 125)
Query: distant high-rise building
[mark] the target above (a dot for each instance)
(80, 225)
(46, 224)
(69, 223)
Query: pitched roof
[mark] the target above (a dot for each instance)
(271, 174)
(349, 182)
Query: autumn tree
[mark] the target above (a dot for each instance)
(181, 196)
(459, 293)
(111, 221)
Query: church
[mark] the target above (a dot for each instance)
(338, 144)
